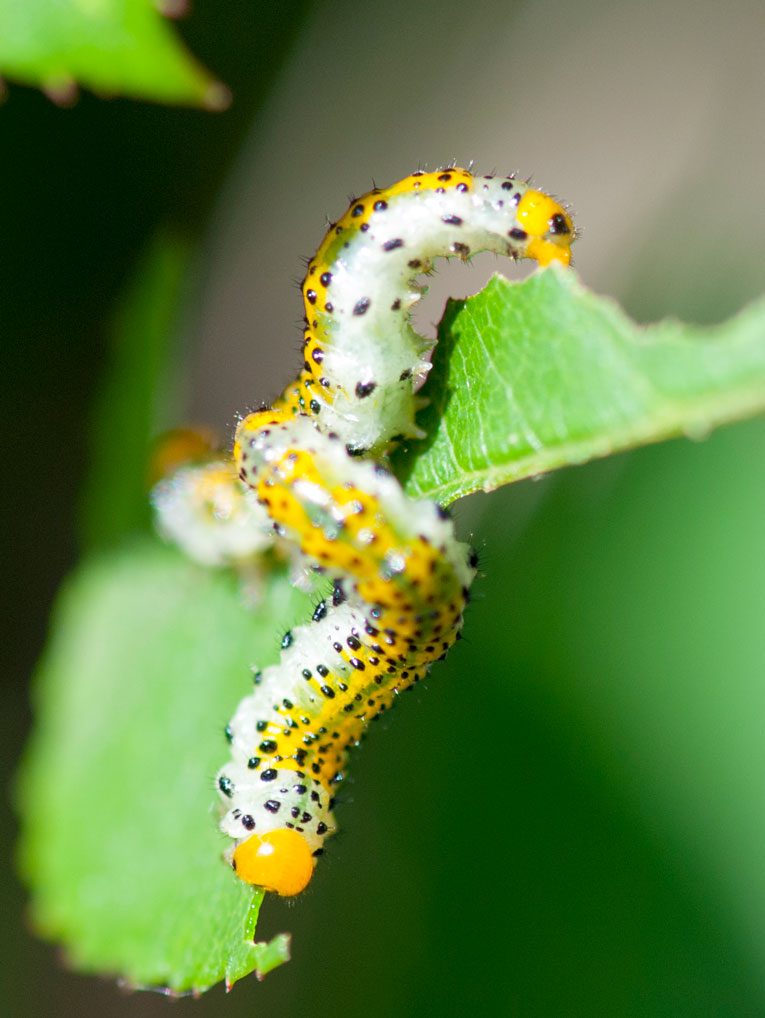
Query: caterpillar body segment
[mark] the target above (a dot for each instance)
(362, 360)
(396, 609)
(206, 510)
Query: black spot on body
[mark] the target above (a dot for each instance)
(364, 389)
(558, 224)
(362, 306)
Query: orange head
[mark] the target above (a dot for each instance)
(549, 228)
(279, 861)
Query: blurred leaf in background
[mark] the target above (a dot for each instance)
(114, 47)
(140, 395)
(119, 789)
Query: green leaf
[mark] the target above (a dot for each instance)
(140, 387)
(545, 374)
(271, 955)
(149, 654)
(114, 47)
(149, 658)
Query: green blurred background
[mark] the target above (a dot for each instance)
(570, 819)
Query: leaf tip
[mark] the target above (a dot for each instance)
(173, 8)
(217, 97)
(270, 955)
(61, 89)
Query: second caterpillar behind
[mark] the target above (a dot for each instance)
(401, 579)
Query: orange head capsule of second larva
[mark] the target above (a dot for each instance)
(550, 230)
(279, 861)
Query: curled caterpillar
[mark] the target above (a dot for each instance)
(362, 360)
(401, 579)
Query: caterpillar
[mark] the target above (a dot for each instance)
(312, 470)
